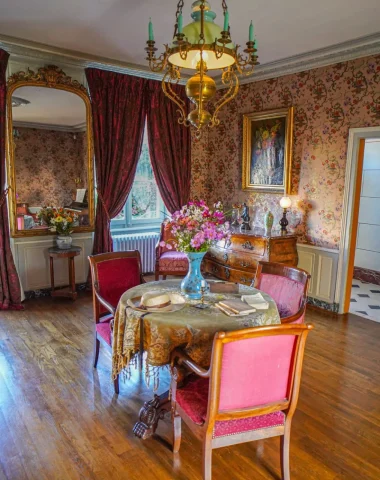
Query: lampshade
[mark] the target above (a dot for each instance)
(212, 31)
(285, 202)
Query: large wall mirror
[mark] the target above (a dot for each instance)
(50, 151)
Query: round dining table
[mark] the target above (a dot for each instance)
(159, 333)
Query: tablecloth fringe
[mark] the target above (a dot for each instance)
(122, 366)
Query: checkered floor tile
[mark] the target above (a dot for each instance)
(365, 300)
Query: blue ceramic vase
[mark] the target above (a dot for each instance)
(191, 284)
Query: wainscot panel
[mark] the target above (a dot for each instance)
(322, 264)
(32, 261)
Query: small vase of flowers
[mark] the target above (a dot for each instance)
(195, 228)
(60, 221)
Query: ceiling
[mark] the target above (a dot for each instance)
(117, 29)
(56, 108)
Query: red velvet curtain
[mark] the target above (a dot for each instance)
(118, 110)
(169, 146)
(10, 292)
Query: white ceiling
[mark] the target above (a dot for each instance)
(117, 29)
(49, 107)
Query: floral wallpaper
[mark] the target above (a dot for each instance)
(327, 101)
(47, 163)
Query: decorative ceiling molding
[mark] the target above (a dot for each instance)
(21, 49)
(82, 127)
(359, 47)
(341, 52)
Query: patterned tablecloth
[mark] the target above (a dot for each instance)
(191, 328)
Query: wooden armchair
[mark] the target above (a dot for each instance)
(250, 391)
(169, 262)
(288, 288)
(112, 274)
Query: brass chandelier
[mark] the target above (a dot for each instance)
(201, 46)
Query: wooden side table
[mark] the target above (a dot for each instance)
(70, 254)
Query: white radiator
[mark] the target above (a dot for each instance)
(145, 243)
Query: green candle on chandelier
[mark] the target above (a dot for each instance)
(251, 39)
(226, 21)
(180, 23)
(150, 30)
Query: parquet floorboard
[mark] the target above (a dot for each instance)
(60, 420)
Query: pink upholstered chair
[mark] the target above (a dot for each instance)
(250, 391)
(112, 274)
(288, 288)
(169, 262)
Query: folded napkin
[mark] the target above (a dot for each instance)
(229, 312)
(257, 301)
(236, 306)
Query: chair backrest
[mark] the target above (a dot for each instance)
(257, 370)
(286, 285)
(166, 235)
(114, 273)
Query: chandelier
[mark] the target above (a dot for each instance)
(201, 46)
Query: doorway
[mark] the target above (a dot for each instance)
(365, 291)
(358, 282)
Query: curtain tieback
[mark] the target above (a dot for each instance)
(3, 196)
(104, 204)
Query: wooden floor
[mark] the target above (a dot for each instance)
(59, 418)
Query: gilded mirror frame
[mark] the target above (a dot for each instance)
(53, 77)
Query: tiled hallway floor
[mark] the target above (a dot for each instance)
(365, 300)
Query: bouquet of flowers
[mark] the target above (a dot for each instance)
(196, 227)
(59, 220)
(46, 214)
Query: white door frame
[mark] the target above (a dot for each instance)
(355, 135)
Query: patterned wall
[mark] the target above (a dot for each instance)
(328, 101)
(47, 162)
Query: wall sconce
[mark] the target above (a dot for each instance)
(285, 203)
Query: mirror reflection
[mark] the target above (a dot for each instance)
(50, 155)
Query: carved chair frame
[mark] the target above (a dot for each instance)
(205, 432)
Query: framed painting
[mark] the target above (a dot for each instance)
(267, 150)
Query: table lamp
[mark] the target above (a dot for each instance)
(285, 203)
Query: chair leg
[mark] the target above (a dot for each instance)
(163, 277)
(96, 350)
(207, 459)
(156, 276)
(285, 447)
(116, 385)
(177, 433)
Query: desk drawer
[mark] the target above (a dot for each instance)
(234, 259)
(246, 244)
(230, 274)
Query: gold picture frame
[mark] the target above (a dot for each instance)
(267, 151)
(49, 77)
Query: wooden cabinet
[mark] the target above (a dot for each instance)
(236, 260)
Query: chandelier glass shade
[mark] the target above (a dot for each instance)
(201, 46)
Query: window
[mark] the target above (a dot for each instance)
(144, 207)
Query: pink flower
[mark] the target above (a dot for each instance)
(196, 227)
(198, 240)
